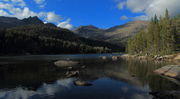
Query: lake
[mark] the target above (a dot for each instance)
(36, 77)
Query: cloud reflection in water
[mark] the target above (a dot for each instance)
(44, 90)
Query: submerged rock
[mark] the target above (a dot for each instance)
(166, 95)
(65, 63)
(170, 71)
(83, 67)
(177, 58)
(72, 74)
(70, 68)
(82, 83)
(115, 58)
(103, 57)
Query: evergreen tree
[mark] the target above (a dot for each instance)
(162, 37)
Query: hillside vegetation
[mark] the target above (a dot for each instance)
(161, 38)
(116, 35)
(32, 36)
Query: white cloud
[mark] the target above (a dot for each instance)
(152, 7)
(16, 2)
(141, 17)
(52, 17)
(3, 13)
(124, 17)
(121, 5)
(137, 5)
(26, 13)
(41, 3)
(66, 24)
(15, 10)
(18, 8)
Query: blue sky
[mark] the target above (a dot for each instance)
(75, 13)
(101, 13)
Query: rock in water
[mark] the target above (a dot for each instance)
(170, 71)
(82, 83)
(114, 58)
(166, 95)
(65, 63)
(103, 57)
(72, 74)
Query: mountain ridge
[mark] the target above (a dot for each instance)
(32, 36)
(9, 22)
(115, 35)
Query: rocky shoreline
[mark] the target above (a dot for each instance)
(174, 58)
(172, 71)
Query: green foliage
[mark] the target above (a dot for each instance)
(162, 37)
(43, 39)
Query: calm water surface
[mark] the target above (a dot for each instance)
(36, 77)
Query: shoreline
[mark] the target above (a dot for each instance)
(171, 71)
(174, 58)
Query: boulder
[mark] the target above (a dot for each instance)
(65, 63)
(166, 95)
(83, 67)
(72, 74)
(170, 71)
(70, 68)
(114, 58)
(177, 57)
(103, 57)
(82, 83)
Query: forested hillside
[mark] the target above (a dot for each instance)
(161, 38)
(8, 22)
(32, 36)
(42, 39)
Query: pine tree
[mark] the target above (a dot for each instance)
(177, 37)
(162, 37)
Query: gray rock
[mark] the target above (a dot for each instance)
(114, 58)
(70, 68)
(83, 67)
(103, 57)
(170, 71)
(82, 83)
(72, 74)
(65, 63)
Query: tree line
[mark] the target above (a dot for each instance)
(162, 37)
(43, 39)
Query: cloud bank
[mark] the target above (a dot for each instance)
(66, 24)
(19, 9)
(124, 17)
(151, 7)
(41, 3)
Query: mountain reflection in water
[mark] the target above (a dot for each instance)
(41, 79)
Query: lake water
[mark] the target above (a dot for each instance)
(36, 77)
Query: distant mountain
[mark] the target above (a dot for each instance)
(32, 20)
(32, 36)
(115, 35)
(90, 32)
(8, 22)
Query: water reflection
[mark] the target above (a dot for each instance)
(121, 79)
(64, 89)
(46, 90)
(144, 72)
